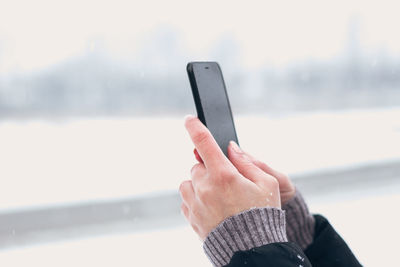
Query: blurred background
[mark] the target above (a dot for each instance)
(92, 99)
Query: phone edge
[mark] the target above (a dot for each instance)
(195, 93)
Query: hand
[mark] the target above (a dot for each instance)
(286, 188)
(221, 188)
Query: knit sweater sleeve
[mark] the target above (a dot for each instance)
(300, 223)
(249, 229)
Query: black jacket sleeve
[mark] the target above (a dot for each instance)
(271, 255)
(328, 249)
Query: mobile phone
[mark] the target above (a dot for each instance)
(212, 102)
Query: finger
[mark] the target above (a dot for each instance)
(198, 173)
(196, 154)
(187, 193)
(185, 211)
(266, 168)
(244, 165)
(205, 143)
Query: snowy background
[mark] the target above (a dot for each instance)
(92, 99)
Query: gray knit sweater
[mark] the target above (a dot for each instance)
(260, 226)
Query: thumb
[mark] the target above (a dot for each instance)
(244, 164)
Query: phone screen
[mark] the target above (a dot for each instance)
(212, 102)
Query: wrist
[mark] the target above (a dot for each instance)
(244, 231)
(300, 222)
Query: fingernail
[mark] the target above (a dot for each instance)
(188, 117)
(235, 147)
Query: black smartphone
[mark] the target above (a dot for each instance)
(211, 100)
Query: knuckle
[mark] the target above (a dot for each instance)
(201, 137)
(183, 187)
(246, 162)
(283, 176)
(269, 182)
(204, 193)
(191, 207)
(195, 169)
(195, 227)
(225, 175)
(262, 164)
(184, 209)
(273, 183)
(193, 211)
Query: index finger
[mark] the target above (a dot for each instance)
(205, 143)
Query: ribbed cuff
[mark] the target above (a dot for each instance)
(244, 231)
(300, 222)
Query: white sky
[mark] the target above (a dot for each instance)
(36, 34)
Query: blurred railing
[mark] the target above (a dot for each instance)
(26, 227)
